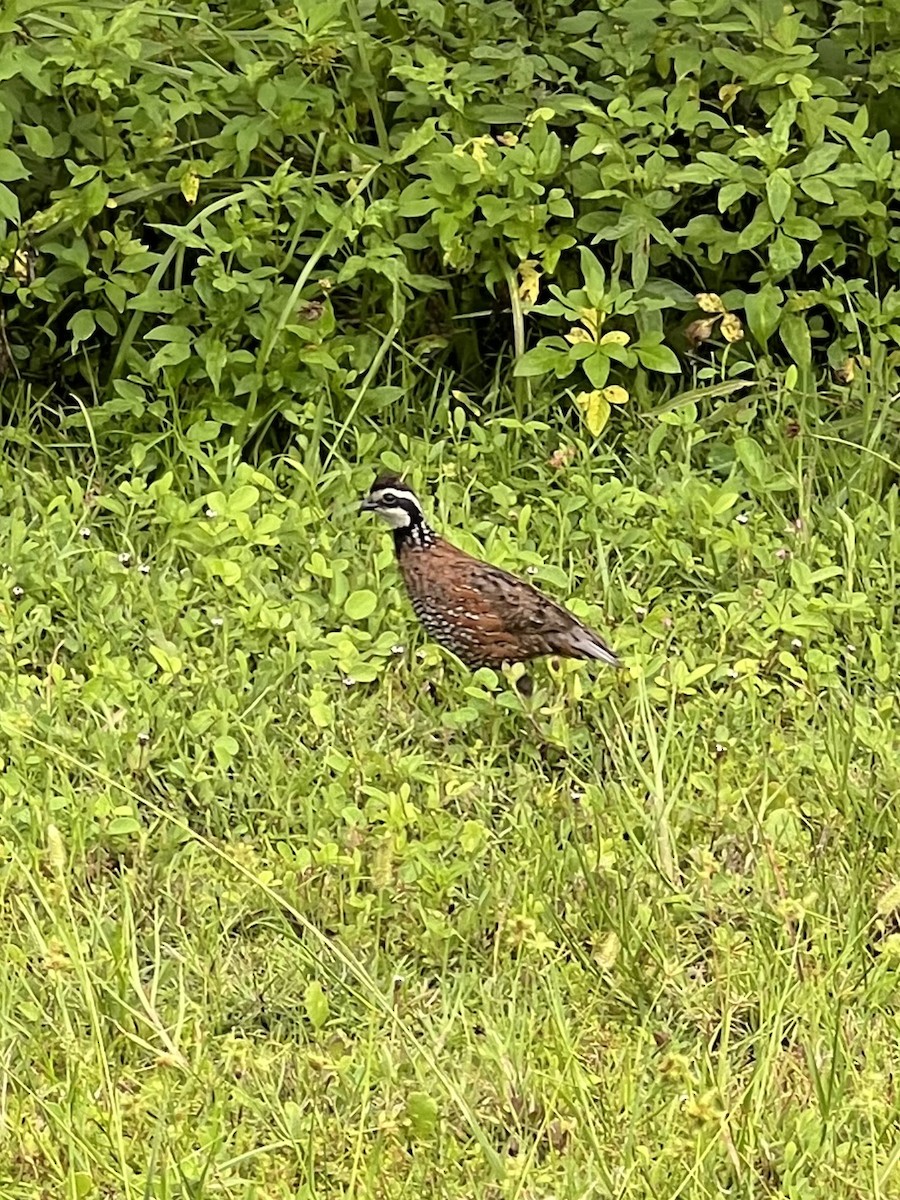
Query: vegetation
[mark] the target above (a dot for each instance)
(292, 905)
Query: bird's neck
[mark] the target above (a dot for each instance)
(417, 536)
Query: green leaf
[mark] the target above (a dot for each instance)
(658, 358)
(9, 205)
(794, 333)
(596, 367)
(752, 459)
(422, 1114)
(225, 749)
(81, 326)
(242, 499)
(763, 310)
(316, 1004)
(214, 358)
(11, 167)
(360, 604)
(229, 572)
(730, 194)
(39, 140)
(416, 140)
(785, 254)
(817, 189)
(203, 431)
(540, 361)
(761, 227)
(170, 355)
(594, 276)
(168, 658)
(802, 227)
(320, 713)
(123, 826)
(779, 190)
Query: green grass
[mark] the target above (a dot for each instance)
(289, 911)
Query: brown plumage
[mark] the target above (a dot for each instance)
(486, 616)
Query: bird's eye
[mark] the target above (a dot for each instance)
(389, 498)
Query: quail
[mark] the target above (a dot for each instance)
(486, 616)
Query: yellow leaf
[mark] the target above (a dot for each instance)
(595, 407)
(479, 147)
(710, 302)
(615, 337)
(578, 336)
(541, 114)
(728, 93)
(607, 952)
(190, 186)
(731, 328)
(508, 139)
(889, 902)
(615, 395)
(592, 319)
(846, 372)
(529, 281)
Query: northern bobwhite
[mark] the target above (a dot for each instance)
(486, 616)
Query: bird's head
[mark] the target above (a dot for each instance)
(394, 501)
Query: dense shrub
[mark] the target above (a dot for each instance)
(224, 209)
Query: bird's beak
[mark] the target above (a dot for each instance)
(367, 506)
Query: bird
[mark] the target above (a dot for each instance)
(484, 615)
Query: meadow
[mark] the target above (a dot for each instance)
(292, 905)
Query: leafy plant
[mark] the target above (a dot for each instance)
(210, 220)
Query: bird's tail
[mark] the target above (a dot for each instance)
(585, 643)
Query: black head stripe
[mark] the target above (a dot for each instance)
(388, 481)
(410, 506)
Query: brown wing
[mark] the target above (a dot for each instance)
(486, 615)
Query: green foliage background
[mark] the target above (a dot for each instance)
(236, 208)
(289, 904)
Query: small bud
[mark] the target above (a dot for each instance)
(731, 673)
(125, 559)
(742, 518)
(398, 648)
(532, 570)
(640, 612)
(720, 750)
(782, 553)
(796, 644)
(144, 569)
(85, 533)
(217, 622)
(18, 592)
(348, 681)
(211, 514)
(143, 737)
